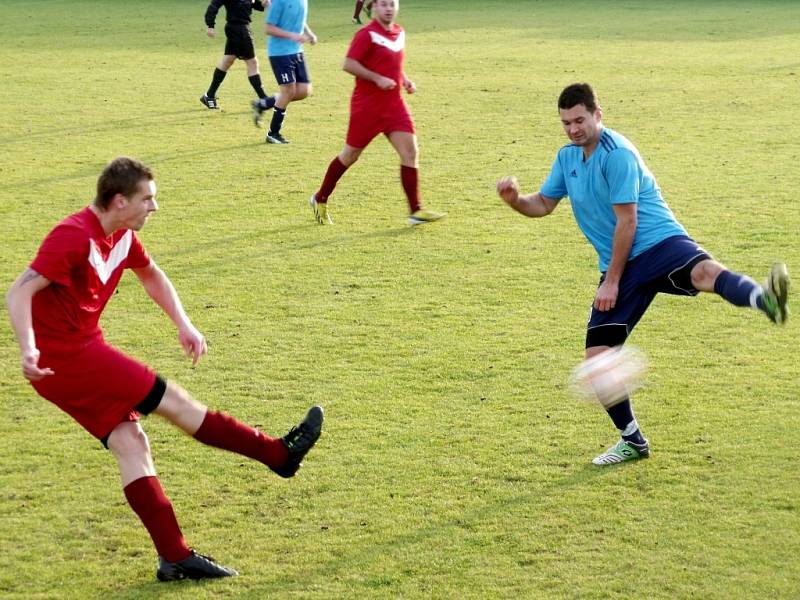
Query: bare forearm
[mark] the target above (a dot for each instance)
(19, 313)
(282, 33)
(19, 300)
(533, 205)
(621, 246)
(160, 289)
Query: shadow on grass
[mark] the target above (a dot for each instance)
(111, 125)
(157, 589)
(94, 169)
(260, 239)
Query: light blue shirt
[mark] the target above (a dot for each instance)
(614, 174)
(289, 15)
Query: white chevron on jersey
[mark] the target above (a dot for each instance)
(394, 46)
(119, 253)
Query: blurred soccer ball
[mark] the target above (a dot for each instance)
(610, 376)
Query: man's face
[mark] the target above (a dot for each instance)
(139, 205)
(385, 10)
(581, 126)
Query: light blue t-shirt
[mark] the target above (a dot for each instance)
(289, 15)
(614, 174)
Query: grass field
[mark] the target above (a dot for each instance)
(455, 463)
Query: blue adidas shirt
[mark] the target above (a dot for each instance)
(614, 174)
(289, 15)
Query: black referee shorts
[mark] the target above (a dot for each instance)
(239, 41)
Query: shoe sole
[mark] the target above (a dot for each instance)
(271, 140)
(778, 285)
(414, 222)
(312, 202)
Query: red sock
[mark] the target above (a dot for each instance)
(221, 431)
(334, 173)
(147, 500)
(359, 6)
(409, 178)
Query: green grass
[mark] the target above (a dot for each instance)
(455, 463)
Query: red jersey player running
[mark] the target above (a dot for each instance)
(55, 306)
(375, 58)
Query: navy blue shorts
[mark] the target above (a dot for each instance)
(290, 68)
(664, 268)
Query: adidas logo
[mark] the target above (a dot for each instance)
(574, 173)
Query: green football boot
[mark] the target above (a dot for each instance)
(621, 452)
(776, 294)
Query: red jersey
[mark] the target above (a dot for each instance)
(380, 51)
(84, 266)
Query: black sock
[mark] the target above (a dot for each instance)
(216, 81)
(277, 120)
(266, 102)
(255, 81)
(622, 415)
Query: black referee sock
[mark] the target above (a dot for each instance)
(277, 120)
(255, 81)
(216, 81)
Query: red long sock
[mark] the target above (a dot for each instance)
(410, 180)
(221, 431)
(359, 6)
(334, 173)
(147, 499)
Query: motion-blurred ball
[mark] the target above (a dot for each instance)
(610, 377)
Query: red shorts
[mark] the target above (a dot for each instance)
(376, 115)
(96, 385)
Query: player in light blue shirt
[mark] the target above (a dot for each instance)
(642, 249)
(287, 30)
(613, 174)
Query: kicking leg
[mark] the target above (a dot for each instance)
(282, 455)
(741, 290)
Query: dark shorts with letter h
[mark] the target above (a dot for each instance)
(665, 268)
(290, 68)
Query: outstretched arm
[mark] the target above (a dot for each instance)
(354, 67)
(160, 289)
(19, 299)
(533, 205)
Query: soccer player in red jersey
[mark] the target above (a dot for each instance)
(55, 306)
(375, 58)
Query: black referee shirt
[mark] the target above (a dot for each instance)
(237, 11)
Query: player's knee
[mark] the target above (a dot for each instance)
(705, 273)
(304, 92)
(349, 156)
(129, 440)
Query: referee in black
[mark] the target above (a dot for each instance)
(238, 44)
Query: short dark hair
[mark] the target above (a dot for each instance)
(121, 176)
(578, 93)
